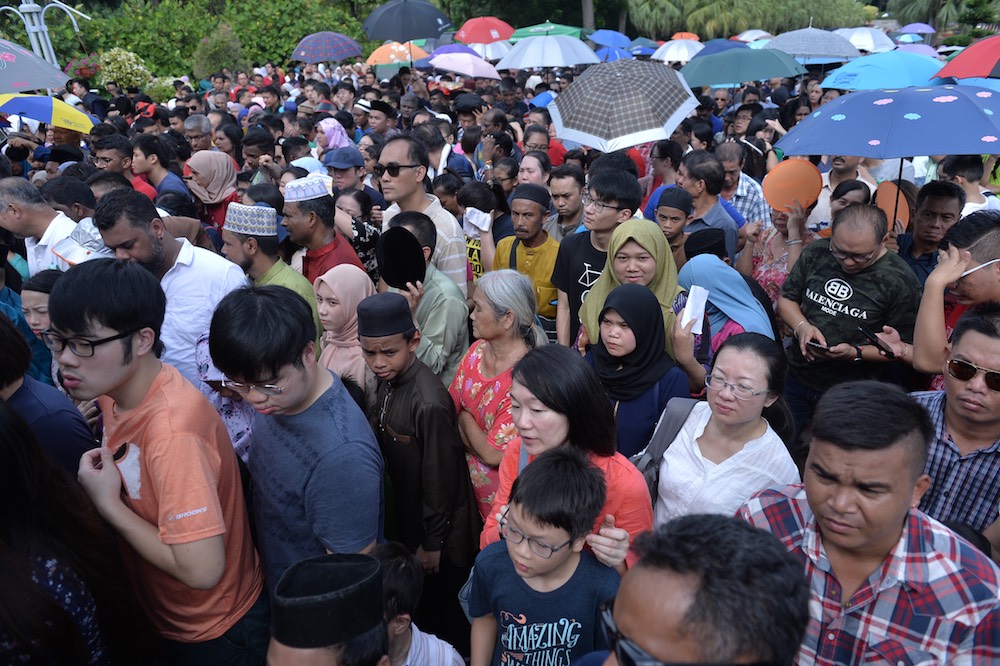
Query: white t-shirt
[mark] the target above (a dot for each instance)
(429, 650)
(991, 203)
(39, 251)
(690, 483)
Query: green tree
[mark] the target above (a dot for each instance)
(938, 13)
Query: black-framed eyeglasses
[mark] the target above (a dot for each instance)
(241, 387)
(599, 206)
(79, 346)
(391, 169)
(856, 258)
(965, 371)
(740, 391)
(516, 536)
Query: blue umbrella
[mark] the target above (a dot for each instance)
(641, 50)
(454, 48)
(909, 38)
(609, 54)
(611, 38)
(898, 123)
(714, 46)
(893, 69)
(326, 47)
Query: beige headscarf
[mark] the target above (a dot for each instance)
(219, 169)
(341, 348)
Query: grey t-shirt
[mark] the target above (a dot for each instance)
(317, 481)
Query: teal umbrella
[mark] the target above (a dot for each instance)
(738, 65)
(547, 28)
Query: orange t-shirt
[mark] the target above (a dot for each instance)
(179, 472)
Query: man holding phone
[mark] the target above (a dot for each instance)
(838, 284)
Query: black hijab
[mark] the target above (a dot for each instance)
(628, 377)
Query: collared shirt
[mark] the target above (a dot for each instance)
(450, 255)
(922, 265)
(934, 600)
(313, 263)
(283, 275)
(441, 315)
(749, 200)
(820, 218)
(718, 218)
(39, 251)
(964, 488)
(429, 650)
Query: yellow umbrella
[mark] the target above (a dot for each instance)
(395, 53)
(48, 110)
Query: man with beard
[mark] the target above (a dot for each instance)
(194, 279)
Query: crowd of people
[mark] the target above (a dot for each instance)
(317, 368)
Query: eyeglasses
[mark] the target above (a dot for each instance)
(599, 206)
(973, 270)
(856, 258)
(964, 371)
(240, 387)
(516, 536)
(391, 169)
(541, 147)
(740, 391)
(79, 346)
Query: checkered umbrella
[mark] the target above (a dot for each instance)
(621, 104)
(326, 47)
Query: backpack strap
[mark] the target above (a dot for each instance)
(670, 424)
(513, 253)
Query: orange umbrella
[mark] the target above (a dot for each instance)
(686, 35)
(395, 53)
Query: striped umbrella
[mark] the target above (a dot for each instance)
(48, 110)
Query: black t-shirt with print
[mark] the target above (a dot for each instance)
(887, 292)
(578, 265)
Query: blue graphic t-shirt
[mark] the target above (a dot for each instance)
(541, 628)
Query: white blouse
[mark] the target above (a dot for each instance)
(690, 483)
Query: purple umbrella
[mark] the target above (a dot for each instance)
(454, 48)
(326, 47)
(918, 28)
(919, 49)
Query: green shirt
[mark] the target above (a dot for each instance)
(283, 275)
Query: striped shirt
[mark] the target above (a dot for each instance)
(935, 599)
(450, 254)
(749, 200)
(964, 488)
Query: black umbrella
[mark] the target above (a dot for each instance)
(403, 20)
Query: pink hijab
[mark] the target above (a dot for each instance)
(336, 135)
(341, 348)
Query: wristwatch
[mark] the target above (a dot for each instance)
(858, 357)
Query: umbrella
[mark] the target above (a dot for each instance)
(918, 28)
(326, 47)
(753, 35)
(20, 69)
(678, 50)
(545, 29)
(894, 69)
(872, 40)
(453, 48)
(648, 101)
(685, 35)
(759, 44)
(466, 65)
(714, 46)
(898, 123)
(491, 51)
(548, 51)
(645, 42)
(484, 30)
(611, 54)
(981, 59)
(736, 66)
(950, 50)
(641, 50)
(919, 49)
(814, 43)
(611, 38)
(405, 19)
(909, 38)
(48, 110)
(395, 53)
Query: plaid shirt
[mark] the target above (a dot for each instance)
(935, 600)
(964, 488)
(749, 200)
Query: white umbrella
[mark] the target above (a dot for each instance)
(677, 50)
(872, 40)
(465, 64)
(753, 35)
(491, 51)
(548, 51)
(815, 44)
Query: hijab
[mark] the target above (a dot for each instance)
(628, 377)
(219, 169)
(729, 297)
(341, 349)
(648, 235)
(336, 135)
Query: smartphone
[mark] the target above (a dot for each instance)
(816, 345)
(870, 334)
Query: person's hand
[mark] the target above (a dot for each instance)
(610, 544)
(430, 559)
(951, 264)
(99, 477)
(377, 217)
(807, 332)
(840, 352)
(582, 340)
(682, 338)
(752, 230)
(776, 126)
(890, 242)
(265, 161)
(489, 144)
(890, 338)
(498, 516)
(796, 219)
(478, 115)
(413, 293)
(91, 412)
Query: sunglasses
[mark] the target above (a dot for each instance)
(964, 371)
(391, 169)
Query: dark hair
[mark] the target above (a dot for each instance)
(448, 181)
(569, 171)
(367, 649)
(323, 208)
(731, 151)
(979, 233)
(563, 382)
(119, 123)
(471, 138)
(294, 147)
(256, 331)
(260, 138)
(266, 193)
(477, 194)
(504, 141)
(109, 180)
(672, 150)
(544, 113)
(616, 161)
(881, 415)
(42, 281)
(854, 185)
(508, 165)
(363, 200)
(419, 225)
(235, 136)
(115, 142)
(616, 186)
(402, 579)
(298, 172)
(983, 319)
(862, 215)
(15, 353)
(536, 129)
(759, 121)
(149, 144)
(79, 171)
(969, 167)
(543, 160)
(135, 207)
(177, 203)
(940, 189)
(703, 165)
(562, 488)
(120, 295)
(416, 152)
(752, 598)
(428, 135)
(778, 416)
(578, 155)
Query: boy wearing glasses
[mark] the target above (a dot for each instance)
(536, 595)
(166, 477)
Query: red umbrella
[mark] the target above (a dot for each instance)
(981, 60)
(484, 30)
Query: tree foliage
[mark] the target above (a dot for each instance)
(939, 13)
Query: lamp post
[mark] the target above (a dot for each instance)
(33, 17)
